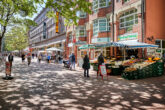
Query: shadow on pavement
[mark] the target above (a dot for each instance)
(50, 87)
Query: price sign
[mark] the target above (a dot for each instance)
(103, 70)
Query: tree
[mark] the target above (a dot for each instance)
(16, 38)
(11, 10)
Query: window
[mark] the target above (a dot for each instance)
(124, 1)
(70, 36)
(128, 19)
(80, 31)
(82, 15)
(100, 25)
(117, 0)
(97, 4)
(158, 42)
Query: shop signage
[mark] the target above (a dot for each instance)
(103, 70)
(158, 50)
(80, 43)
(100, 40)
(130, 36)
(57, 22)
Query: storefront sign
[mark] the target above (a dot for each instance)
(100, 40)
(103, 70)
(158, 50)
(130, 36)
(80, 42)
(57, 22)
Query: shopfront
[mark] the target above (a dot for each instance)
(161, 48)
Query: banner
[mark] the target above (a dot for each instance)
(57, 22)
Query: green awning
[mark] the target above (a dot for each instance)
(87, 46)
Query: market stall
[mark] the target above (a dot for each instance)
(128, 68)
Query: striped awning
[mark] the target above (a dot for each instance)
(134, 44)
(127, 44)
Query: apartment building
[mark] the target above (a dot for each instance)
(94, 28)
(117, 21)
(44, 34)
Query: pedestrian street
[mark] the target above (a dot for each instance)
(52, 87)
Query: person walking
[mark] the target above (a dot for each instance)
(73, 61)
(10, 59)
(86, 66)
(23, 57)
(100, 62)
(29, 59)
(39, 58)
(48, 58)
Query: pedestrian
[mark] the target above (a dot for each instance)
(29, 59)
(23, 57)
(86, 66)
(10, 59)
(48, 58)
(33, 55)
(39, 58)
(73, 61)
(100, 62)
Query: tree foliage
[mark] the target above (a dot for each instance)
(12, 10)
(16, 38)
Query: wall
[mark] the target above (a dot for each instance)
(155, 19)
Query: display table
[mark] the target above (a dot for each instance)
(153, 70)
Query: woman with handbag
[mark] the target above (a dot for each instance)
(86, 66)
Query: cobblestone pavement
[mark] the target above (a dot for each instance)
(52, 87)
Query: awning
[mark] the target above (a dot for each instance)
(87, 46)
(53, 49)
(133, 44)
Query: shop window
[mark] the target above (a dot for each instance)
(97, 4)
(100, 25)
(124, 1)
(117, 0)
(158, 42)
(80, 32)
(163, 43)
(128, 19)
(70, 36)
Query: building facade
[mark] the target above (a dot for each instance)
(118, 21)
(44, 35)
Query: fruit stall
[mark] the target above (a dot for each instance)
(145, 69)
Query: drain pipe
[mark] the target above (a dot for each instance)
(143, 24)
(113, 30)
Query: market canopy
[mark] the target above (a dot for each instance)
(87, 46)
(127, 44)
(133, 44)
(53, 49)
